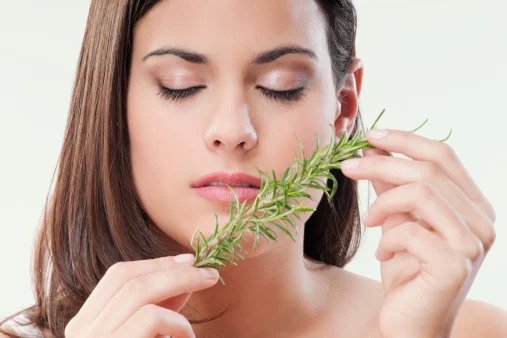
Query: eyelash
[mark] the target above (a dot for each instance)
(283, 95)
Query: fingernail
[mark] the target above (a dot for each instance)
(377, 133)
(348, 164)
(184, 258)
(209, 273)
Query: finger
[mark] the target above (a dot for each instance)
(386, 173)
(399, 171)
(175, 303)
(423, 149)
(153, 288)
(394, 170)
(478, 222)
(440, 266)
(429, 204)
(379, 185)
(115, 277)
(151, 320)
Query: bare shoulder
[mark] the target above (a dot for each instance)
(4, 336)
(357, 300)
(480, 319)
(475, 319)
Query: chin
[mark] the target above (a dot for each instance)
(201, 216)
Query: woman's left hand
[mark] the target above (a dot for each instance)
(437, 227)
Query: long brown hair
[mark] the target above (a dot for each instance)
(94, 219)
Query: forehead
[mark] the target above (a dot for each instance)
(231, 29)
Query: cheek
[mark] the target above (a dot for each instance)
(158, 166)
(308, 119)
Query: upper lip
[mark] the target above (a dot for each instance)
(225, 178)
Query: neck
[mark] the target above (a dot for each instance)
(278, 289)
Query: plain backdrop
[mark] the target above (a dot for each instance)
(442, 60)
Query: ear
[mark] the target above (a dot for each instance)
(348, 98)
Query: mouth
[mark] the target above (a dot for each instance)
(220, 184)
(223, 194)
(214, 186)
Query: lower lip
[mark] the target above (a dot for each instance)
(224, 194)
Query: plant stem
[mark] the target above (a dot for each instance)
(271, 204)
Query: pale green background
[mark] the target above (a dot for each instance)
(445, 60)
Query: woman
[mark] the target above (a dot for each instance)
(168, 92)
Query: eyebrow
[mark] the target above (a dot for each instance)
(261, 58)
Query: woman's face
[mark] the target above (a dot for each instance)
(231, 123)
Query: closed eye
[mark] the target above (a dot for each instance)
(178, 94)
(283, 95)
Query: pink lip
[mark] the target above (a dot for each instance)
(225, 178)
(222, 193)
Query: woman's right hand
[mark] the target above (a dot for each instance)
(124, 302)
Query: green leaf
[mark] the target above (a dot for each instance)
(301, 147)
(270, 233)
(303, 208)
(445, 139)
(378, 118)
(274, 184)
(285, 174)
(257, 230)
(284, 230)
(274, 201)
(416, 129)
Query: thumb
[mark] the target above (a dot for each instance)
(175, 303)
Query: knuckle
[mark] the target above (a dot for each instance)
(425, 190)
(445, 150)
(150, 313)
(412, 230)
(490, 237)
(462, 269)
(119, 270)
(474, 250)
(491, 211)
(133, 287)
(429, 170)
(413, 233)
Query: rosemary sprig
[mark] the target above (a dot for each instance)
(272, 203)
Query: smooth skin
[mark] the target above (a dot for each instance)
(231, 125)
(125, 301)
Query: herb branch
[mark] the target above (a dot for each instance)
(273, 203)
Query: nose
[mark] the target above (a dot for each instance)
(231, 129)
